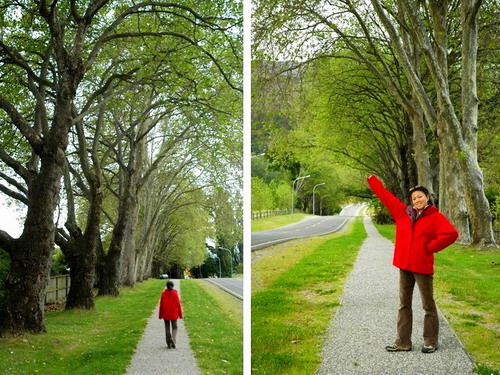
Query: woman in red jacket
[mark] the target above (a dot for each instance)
(170, 311)
(421, 231)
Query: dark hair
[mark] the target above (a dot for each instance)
(423, 189)
(170, 284)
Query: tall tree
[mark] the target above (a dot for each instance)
(49, 60)
(47, 51)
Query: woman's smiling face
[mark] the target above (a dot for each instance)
(419, 199)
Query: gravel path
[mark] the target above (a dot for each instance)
(366, 322)
(152, 355)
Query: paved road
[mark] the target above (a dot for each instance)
(366, 322)
(311, 226)
(232, 286)
(152, 356)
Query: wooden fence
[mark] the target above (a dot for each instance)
(269, 213)
(58, 288)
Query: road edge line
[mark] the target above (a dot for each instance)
(225, 289)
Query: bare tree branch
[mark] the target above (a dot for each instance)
(16, 166)
(20, 122)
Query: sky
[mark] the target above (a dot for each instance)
(10, 218)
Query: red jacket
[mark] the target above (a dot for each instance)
(417, 237)
(170, 305)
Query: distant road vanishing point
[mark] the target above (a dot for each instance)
(309, 227)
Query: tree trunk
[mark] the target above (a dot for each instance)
(80, 249)
(82, 273)
(26, 285)
(421, 155)
(108, 271)
(31, 254)
(134, 172)
(481, 218)
(452, 200)
(416, 115)
(128, 254)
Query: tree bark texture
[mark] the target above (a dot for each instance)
(451, 198)
(108, 270)
(82, 273)
(81, 251)
(31, 254)
(134, 186)
(479, 210)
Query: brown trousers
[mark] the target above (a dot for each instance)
(405, 315)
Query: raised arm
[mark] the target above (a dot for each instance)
(389, 200)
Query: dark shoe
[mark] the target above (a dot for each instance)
(172, 343)
(397, 348)
(429, 349)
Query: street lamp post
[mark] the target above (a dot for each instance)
(220, 273)
(315, 186)
(230, 257)
(293, 187)
(321, 201)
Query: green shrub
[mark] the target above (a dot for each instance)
(379, 213)
(59, 264)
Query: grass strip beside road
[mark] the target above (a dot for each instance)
(269, 263)
(291, 315)
(467, 288)
(273, 222)
(101, 341)
(214, 320)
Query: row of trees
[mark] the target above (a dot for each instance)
(390, 88)
(122, 120)
(325, 189)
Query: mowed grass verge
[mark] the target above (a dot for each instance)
(467, 287)
(214, 321)
(84, 342)
(276, 221)
(291, 315)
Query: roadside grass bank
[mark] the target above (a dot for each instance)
(214, 321)
(98, 342)
(272, 222)
(467, 286)
(291, 312)
(269, 263)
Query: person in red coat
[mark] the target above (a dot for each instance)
(170, 311)
(421, 231)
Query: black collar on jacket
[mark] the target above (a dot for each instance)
(412, 212)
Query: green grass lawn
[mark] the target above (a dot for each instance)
(292, 312)
(83, 342)
(276, 221)
(214, 320)
(467, 286)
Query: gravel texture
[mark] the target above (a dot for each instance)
(366, 322)
(152, 355)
